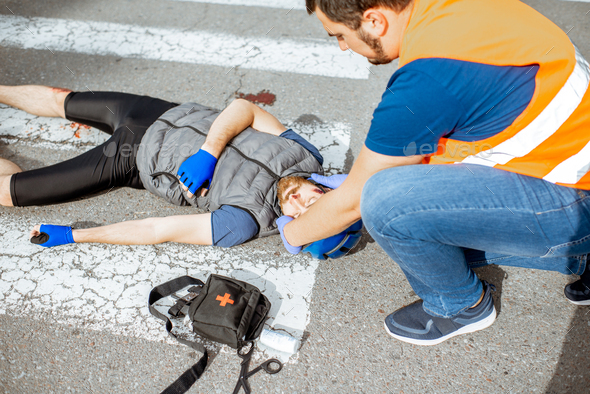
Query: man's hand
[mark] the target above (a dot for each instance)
(281, 225)
(329, 181)
(48, 235)
(339, 209)
(197, 171)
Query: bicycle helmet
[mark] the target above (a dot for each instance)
(337, 245)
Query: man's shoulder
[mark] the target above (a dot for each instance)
(296, 137)
(456, 74)
(441, 70)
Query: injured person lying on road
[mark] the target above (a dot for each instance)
(240, 164)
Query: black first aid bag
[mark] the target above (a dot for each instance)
(229, 311)
(223, 309)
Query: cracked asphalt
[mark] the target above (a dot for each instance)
(71, 318)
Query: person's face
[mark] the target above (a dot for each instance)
(301, 199)
(375, 44)
(378, 39)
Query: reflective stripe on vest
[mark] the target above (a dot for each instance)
(546, 124)
(550, 138)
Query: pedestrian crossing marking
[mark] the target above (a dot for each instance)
(286, 4)
(302, 56)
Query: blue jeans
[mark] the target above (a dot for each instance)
(437, 222)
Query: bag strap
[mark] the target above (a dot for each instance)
(191, 375)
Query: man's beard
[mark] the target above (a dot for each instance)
(375, 45)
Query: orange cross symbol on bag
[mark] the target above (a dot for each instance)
(225, 299)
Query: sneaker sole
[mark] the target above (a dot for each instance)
(480, 325)
(585, 302)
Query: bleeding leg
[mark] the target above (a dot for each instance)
(35, 99)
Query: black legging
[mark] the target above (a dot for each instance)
(126, 118)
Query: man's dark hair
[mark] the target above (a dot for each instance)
(350, 12)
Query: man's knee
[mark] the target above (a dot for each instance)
(376, 197)
(60, 95)
(368, 200)
(390, 193)
(5, 197)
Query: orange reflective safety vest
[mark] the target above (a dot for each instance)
(551, 137)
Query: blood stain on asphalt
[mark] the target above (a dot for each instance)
(78, 127)
(263, 97)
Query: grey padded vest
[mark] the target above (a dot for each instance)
(246, 173)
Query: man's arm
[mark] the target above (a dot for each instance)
(340, 208)
(189, 229)
(239, 115)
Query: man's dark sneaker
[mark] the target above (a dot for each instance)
(577, 293)
(411, 324)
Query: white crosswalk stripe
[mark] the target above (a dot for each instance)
(286, 4)
(115, 297)
(313, 57)
(332, 139)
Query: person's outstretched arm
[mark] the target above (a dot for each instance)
(189, 229)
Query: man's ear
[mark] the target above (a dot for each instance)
(375, 22)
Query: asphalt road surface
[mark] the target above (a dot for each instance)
(75, 319)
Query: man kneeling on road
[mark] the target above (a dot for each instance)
(242, 164)
(499, 92)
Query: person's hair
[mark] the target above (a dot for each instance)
(350, 12)
(285, 183)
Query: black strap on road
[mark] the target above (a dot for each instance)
(191, 375)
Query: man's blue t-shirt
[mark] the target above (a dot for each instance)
(428, 99)
(232, 226)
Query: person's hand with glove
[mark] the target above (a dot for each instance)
(197, 171)
(48, 235)
(329, 181)
(281, 222)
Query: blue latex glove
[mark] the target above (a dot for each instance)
(329, 181)
(53, 236)
(197, 171)
(281, 222)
